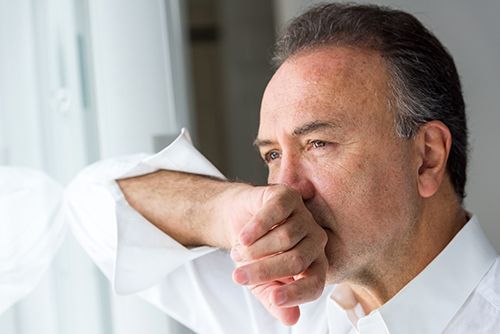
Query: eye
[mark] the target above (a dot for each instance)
(271, 155)
(318, 143)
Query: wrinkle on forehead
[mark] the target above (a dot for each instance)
(345, 61)
(326, 79)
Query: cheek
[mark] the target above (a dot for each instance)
(341, 183)
(365, 192)
(386, 176)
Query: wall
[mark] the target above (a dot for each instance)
(231, 67)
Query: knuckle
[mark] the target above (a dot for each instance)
(323, 238)
(287, 194)
(297, 263)
(285, 237)
(318, 283)
(262, 272)
(282, 189)
(294, 196)
(277, 190)
(282, 200)
(277, 200)
(314, 288)
(299, 227)
(259, 226)
(317, 290)
(324, 265)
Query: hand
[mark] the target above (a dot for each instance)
(281, 247)
(280, 251)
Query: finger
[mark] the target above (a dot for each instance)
(287, 315)
(280, 239)
(275, 210)
(290, 263)
(307, 288)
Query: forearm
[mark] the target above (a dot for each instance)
(185, 206)
(274, 240)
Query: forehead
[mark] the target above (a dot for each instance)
(337, 84)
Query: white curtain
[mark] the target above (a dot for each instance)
(83, 80)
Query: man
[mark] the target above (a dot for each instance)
(364, 133)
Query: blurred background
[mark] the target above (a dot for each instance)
(84, 80)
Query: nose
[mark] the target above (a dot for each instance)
(296, 176)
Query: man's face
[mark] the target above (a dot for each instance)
(326, 129)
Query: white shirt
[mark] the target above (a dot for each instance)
(31, 230)
(458, 292)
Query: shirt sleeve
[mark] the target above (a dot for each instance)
(194, 286)
(133, 253)
(31, 230)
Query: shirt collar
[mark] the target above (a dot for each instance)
(428, 302)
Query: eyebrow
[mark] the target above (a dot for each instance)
(300, 131)
(312, 127)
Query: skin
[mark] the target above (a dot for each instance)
(349, 202)
(386, 203)
(282, 258)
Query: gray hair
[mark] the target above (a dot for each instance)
(424, 80)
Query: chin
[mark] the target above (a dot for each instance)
(335, 277)
(342, 265)
(338, 265)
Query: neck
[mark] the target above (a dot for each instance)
(437, 226)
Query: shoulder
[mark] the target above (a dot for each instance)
(489, 287)
(481, 311)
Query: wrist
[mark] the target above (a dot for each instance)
(228, 212)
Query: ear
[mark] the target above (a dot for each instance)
(433, 146)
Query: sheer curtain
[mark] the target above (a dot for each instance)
(83, 80)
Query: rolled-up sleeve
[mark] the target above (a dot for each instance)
(192, 285)
(133, 253)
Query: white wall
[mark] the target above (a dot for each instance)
(139, 90)
(470, 30)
